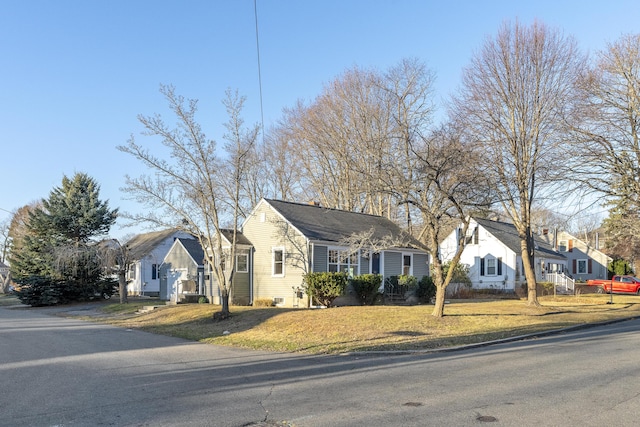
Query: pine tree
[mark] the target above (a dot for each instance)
(56, 258)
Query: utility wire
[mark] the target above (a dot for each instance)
(255, 13)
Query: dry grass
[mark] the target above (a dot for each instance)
(377, 328)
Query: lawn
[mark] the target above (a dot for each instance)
(376, 328)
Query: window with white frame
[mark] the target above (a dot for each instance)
(342, 261)
(562, 246)
(491, 267)
(242, 263)
(278, 262)
(582, 266)
(406, 264)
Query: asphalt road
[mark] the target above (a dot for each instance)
(65, 372)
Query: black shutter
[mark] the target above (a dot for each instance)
(499, 266)
(482, 266)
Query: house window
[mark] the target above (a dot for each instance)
(472, 238)
(154, 271)
(342, 261)
(406, 265)
(582, 266)
(278, 262)
(132, 272)
(491, 266)
(242, 263)
(562, 246)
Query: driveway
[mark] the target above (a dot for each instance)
(65, 372)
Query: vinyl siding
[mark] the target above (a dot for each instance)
(320, 258)
(420, 265)
(265, 235)
(392, 263)
(364, 264)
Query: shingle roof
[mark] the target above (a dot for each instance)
(508, 235)
(142, 244)
(334, 225)
(193, 248)
(240, 238)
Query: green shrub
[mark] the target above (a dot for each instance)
(460, 273)
(323, 288)
(203, 300)
(366, 287)
(38, 291)
(263, 302)
(426, 289)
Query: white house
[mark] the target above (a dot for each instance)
(147, 252)
(492, 253)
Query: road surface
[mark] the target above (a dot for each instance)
(65, 372)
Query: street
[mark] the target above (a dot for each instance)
(66, 372)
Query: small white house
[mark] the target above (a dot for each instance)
(147, 252)
(492, 253)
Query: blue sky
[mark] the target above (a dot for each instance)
(75, 74)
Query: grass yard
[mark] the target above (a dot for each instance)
(377, 328)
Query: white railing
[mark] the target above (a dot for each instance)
(562, 282)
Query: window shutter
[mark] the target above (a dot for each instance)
(482, 266)
(499, 266)
(574, 267)
(589, 266)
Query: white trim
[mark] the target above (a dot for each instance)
(409, 254)
(246, 270)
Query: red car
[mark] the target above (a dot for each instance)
(621, 285)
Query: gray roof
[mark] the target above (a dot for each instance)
(507, 234)
(194, 249)
(142, 244)
(240, 238)
(333, 225)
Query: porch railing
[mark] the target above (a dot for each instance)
(562, 282)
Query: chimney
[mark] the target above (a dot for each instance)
(314, 203)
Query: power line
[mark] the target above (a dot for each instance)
(255, 13)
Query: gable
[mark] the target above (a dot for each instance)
(508, 235)
(142, 245)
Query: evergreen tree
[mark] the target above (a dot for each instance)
(56, 257)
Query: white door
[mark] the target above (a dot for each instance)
(174, 281)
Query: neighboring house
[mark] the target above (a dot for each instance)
(492, 253)
(583, 261)
(242, 278)
(182, 271)
(4, 268)
(291, 239)
(147, 252)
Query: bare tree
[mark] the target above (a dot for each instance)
(607, 126)
(449, 187)
(515, 93)
(196, 188)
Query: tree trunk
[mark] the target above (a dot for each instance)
(529, 274)
(122, 287)
(438, 310)
(5, 281)
(224, 312)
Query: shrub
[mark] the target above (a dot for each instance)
(426, 289)
(38, 291)
(366, 287)
(325, 287)
(460, 273)
(203, 300)
(263, 302)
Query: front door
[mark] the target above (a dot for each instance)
(174, 281)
